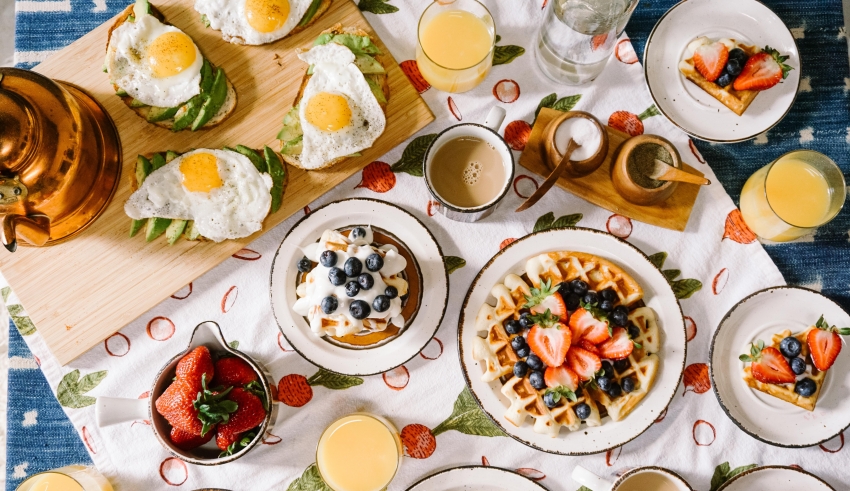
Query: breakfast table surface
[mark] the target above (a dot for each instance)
(712, 265)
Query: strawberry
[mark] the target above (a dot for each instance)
(561, 376)
(225, 440)
(768, 365)
(250, 412)
(544, 298)
(188, 441)
(194, 365)
(762, 71)
(233, 371)
(710, 59)
(825, 343)
(618, 347)
(192, 410)
(593, 328)
(549, 339)
(584, 363)
(583, 343)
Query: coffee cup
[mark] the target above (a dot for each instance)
(639, 479)
(469, 168)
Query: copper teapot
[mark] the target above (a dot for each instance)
(60, 159)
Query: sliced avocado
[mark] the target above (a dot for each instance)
(376, 90)
(141, 6)
(216, 98)
(156, 114)
(171, 155)
(291, 126)
(143, 168)
(359, 45)
(293, 147)
(157, 161)
(174, 231)
(155, 227)
(367, 64)
(120, 92)
(136, 226)
(204, 20)
(188, 112)
(207, 76)
(192, 232)
(311, 11)
(278, 173)
(230, 149)
(254, 157)
(137, 103)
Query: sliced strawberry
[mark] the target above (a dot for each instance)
(710, 59)
(825, 344)
(592, 329)
(561, 376)
(555, 304)
(618, 347)
(549, 339)
(770, 367)
(583, 343)
(762, 71)
(584, 363)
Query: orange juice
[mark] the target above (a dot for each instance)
(358, 453)
(68, 478)
(52, 481)
(798, 193)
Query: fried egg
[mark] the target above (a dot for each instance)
(339, 115)
(156, 64)
(253, 21)
(220, 190)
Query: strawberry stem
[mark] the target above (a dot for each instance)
(212, 407)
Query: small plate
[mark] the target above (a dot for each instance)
(417, 332)
(775, 478)
(691, 108)
(762, 416)
(477, 478)
(657, 294)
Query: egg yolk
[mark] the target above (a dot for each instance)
(200, 173)
(170, 54)
(266, 15)
(328, 112)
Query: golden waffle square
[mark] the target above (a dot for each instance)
(597, 272)
(736, 100)
(786, 391)
(528, 401)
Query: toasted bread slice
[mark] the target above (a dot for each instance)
(226, 110)
(381, 78)
(736, 100)
(323, 7)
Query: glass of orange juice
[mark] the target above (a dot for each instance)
(456, 43)
(359, 452)
(793, 195)
(68, 478)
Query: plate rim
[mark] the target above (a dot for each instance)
(382, 202)
(783, 467)
(475, 466)
(690, 133)
(463, 367)
(711, 366)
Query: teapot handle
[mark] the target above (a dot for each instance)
(35, 229)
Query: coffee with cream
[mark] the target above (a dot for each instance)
(649, 481)
(467, 172)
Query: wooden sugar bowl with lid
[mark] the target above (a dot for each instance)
(60, 159)
(635, 159)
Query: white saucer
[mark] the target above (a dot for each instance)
(417, 332)
(691, 108)
(765, 417)
(775, 478)
(657, 294)
(476, 478)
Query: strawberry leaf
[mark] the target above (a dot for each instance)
(544, 320)
(453, 263)
(547, 101)
(333, 381)
(411, 159)
(376, 7)
(561, 391)
(724, 472)
(821, 323)
(658, 259)
(468, 418)
(538, 294)
(310, 480)
(212, 406)
(503, 55)
(565, 104)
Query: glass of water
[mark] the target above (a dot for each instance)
(578, 36)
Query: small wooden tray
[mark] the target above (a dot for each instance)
(597, 187)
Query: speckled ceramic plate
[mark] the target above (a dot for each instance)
(419, 328)
(476, 478)
(776, 478)
(657, 294)
(765, 417)
(691, 108)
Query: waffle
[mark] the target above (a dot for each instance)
(528, 401)
(736, 100)
(786, 391)
(598, 273)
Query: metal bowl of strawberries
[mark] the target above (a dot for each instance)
(209, 405)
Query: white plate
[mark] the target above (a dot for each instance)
(691, 108)
(476, 478)
(657, 294)
(765, 417)
(409, 231)
(775, 478)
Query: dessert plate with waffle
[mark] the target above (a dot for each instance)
(572, 341)
(778, 367)
(722, 70)
(358, 286)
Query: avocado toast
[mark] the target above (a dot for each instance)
(213, 16)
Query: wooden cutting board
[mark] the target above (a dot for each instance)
(673, 213)
(80, 292)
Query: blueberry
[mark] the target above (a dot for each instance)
(634, 331)
(805, 387)
(391, 292)
(513, 327)
(724, 79)
(381, 303)
(535, 363)
(604, 383)
(572, 300)
(358, 233)
(328, 259)
(359, 309)
(582, 411)
(564, 289)
(578, 287)
(798, 366)
(352, 288)
(329, 304)
(621, 365)
(738, 54)
(606, 306)
(518, 342)
(607, 369)
(549, 399)
(353, 267)
(336, 276)
(305, 265)
(618, 317)
(525, 321)
(374, 262)
(734, 67)
(628, 384)
(790, 347)
(608, 294)
(614, 389)
(366, 281)
(523, 352)
(520, 369)
(590, 297)
(537, 380)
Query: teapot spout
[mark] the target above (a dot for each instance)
(34, 229)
